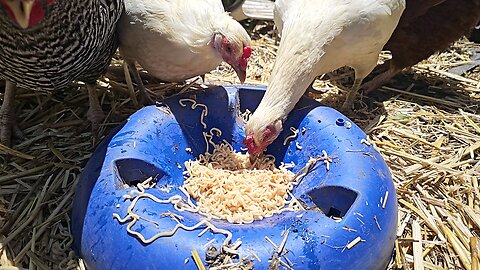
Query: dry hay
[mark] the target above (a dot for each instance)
(425, 124)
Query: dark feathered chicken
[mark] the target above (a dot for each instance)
(426, 26)
(475, 34)
(46, 44)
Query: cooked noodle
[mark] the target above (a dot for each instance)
(226, 186)
(178, 203)
(291, 137)
(204, 112)
(245, 116)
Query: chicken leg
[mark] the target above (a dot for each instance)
(347, 105)
(145, 98)
(95, 113)
(381, 79)
(7, 116)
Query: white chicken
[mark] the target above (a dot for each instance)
(318, 36)
(177, 40)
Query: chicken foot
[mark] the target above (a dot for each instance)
(95, 113)
(347, 105)
(145, 98)
(7, 115)
(381, 79)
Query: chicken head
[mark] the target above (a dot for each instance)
(235, 51)
(258, 137)
(26, 13)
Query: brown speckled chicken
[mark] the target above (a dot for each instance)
(46, 44)
(426, 26)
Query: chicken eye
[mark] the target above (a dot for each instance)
(229, 49)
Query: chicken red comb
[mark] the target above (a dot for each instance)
(247, 51)
(38, 14)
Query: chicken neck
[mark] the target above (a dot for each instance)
(294, 71)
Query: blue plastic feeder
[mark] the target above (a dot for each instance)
(351, 215)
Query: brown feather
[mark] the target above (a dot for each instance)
(420, 35)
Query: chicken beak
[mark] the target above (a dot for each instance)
(241, 73)
(240, 66)
(21, 10)
(253, 158)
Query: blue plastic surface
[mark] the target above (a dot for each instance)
(153, 143)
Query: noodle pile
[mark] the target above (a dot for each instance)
(226, 186)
